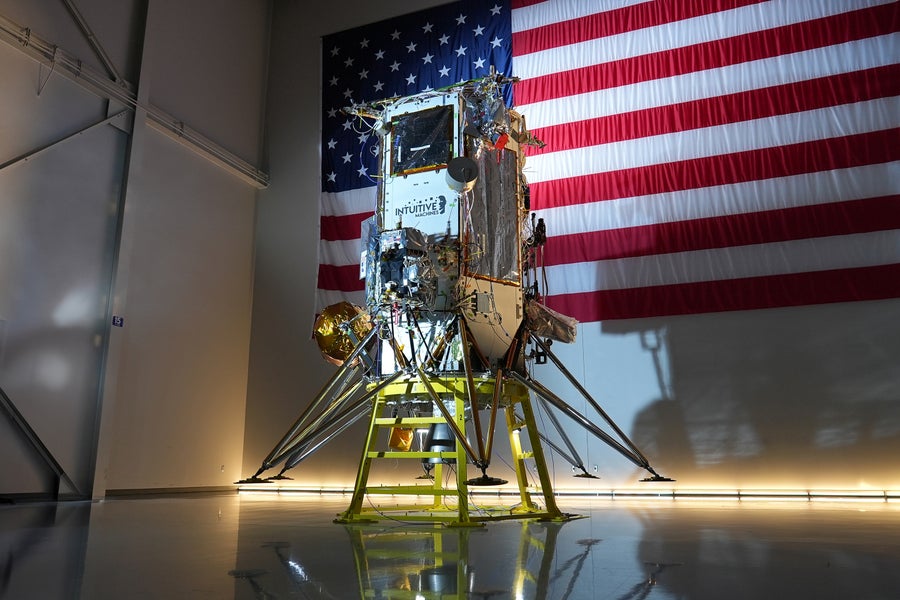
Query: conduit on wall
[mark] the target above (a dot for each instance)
(59, 60)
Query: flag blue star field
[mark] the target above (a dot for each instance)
(700, 156)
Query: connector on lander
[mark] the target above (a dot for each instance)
(453, 314)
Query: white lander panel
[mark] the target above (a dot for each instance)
(449, 221)
(422, 138)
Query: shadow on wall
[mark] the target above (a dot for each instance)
(792, 397)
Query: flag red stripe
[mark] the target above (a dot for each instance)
(836, 29)
(344, 278)
(846, 88)
(613, 22)
(817, 287)
(765, 163)
(341, 227)
(837, 218)
(524, 3)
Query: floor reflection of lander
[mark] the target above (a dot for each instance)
(418, 561)
(433, 562)
(642, 589)
(301, 583)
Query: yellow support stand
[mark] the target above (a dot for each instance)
(446, 502)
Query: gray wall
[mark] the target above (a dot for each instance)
(168, 409)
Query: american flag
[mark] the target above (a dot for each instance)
(700, 156)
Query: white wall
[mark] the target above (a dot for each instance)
(170, 405)
(180, 398)
(795, 397)
(799, 398)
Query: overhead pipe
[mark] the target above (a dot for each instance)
(73, 68)
(92, 40)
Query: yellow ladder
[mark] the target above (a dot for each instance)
(451, 504)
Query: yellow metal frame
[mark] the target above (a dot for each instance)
(451, 504)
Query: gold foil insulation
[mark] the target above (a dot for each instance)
(334, 342)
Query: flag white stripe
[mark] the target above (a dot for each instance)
(350, 202)
(819, 124)
(681, 34)
(805, 189)
(325, 298)
(767, 72)
(558, 11)
(780, 258)
(340, 252)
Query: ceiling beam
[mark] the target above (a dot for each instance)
(91, 79)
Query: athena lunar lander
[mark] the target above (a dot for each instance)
(453, 316)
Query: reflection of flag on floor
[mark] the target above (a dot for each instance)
(700, 156)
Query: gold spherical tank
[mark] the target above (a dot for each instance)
(333, 338)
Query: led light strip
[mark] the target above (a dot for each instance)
(752, 494)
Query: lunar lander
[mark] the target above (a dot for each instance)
(453, 315)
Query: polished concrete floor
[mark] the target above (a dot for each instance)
(254, 546)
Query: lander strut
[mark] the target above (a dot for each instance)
(452, 263)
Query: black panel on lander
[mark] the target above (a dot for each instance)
(451, 263)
